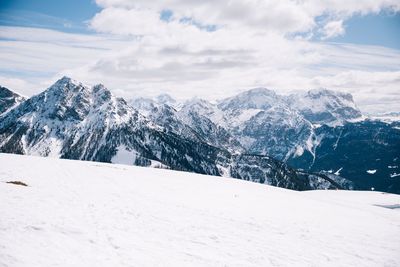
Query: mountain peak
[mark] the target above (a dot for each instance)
(320, 91)
(165, 99)
(99, 87)
(257, 98)
(65, 84)
(5, 92)
(8, 99)
(198, 105)
(323, 92)
(65, 80)
(196, 101)
(325, 106)
(259, 91)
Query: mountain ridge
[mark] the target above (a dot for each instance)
(73, 121)
(297, 129)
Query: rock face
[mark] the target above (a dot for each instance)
(8, 100)
(367, 152)
(187, 122)
(73, 121)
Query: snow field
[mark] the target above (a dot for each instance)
(77, 213)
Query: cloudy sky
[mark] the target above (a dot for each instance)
(205, 48)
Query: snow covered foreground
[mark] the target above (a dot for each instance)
(92, 214)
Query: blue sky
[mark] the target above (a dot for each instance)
(72, 16)
(209, 49)
(69, 16)
(378, 29)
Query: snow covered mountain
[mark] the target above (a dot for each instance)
(8, 100)
(165, 99)
(73, 121)
(262, 121)
(283, 126)
(186, 122)
(74, 213)
(70, 120)
(324, 106)
(258, 98)
(320, 130)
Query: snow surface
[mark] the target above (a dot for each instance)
(75, 213)
(124, 156)
(338, 171)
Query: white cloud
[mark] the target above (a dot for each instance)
(40, 35)
(127, 21)
(282, 15)
(38, 55)
(278, 15)
(333, 29)
(15, 84)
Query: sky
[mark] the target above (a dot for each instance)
(210, 49)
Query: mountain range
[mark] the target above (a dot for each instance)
(303, 141)
(318, 131)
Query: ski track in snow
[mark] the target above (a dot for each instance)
(93, 214)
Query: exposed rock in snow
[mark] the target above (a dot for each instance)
(338, 171)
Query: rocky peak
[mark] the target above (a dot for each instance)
(8, 100)
(65, 83)
(101, 94)
(6, 93)
(165, 99)
(323, 92)
(257, 98)
(196, 101)
(325, 106)
(99, 88)
(66, 99)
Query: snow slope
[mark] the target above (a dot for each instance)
(93, 214)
